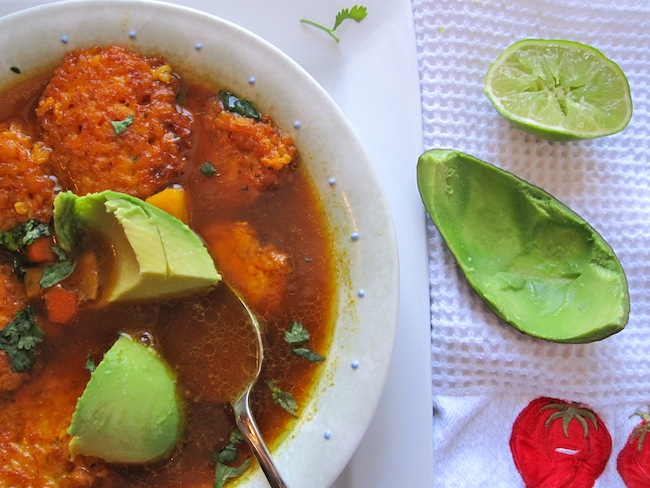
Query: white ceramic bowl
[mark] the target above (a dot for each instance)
(321, 442)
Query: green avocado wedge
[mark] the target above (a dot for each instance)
(130, 411)
(156, 254)
(536, 263)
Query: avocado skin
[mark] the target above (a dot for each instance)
(536, 263)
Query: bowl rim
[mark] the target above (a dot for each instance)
(317, 447)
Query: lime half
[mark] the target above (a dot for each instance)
(559, 90)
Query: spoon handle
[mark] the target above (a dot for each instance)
(249, 429)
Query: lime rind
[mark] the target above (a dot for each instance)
(559, 90)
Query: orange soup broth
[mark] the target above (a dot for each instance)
(194, 334)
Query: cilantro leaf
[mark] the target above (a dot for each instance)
(19, 338)
(224, 473)
(283, 398)
(356, 13)
(207, 169)
(229, 454)
(119, 126)
(297, 334)
(57, 271)
(21, 236)
(237, 105)
(308, 354)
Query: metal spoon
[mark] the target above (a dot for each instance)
(246, 421)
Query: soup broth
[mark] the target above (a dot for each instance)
(280, 229)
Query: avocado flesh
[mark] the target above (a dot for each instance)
(535, 262)
(129, 412)
(156, 254)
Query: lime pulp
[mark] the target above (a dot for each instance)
(559, 90)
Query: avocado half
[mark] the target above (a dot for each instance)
(130, 411)
(536, 263)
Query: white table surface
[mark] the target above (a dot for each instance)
(373, 75)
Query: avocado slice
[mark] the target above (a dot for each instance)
(536, 263)
(157, 254)
(130, 411)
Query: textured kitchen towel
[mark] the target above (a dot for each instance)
(483, 371)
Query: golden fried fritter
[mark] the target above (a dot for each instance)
(34, 443)
(252, 156)
(259, 272)
(13, 298)
(26, 192)
(111, 119)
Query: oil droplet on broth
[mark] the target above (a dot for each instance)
(215, 352)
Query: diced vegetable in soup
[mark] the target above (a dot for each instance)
(131, 197)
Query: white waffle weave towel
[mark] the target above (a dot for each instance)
(484, 372)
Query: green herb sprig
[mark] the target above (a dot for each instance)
(297, 336)
(240, 106)
(21, 236)
(57, 271)
(283, 398)
(229, 454)
(119, 126)
(207, 169)
(356, 13)
(19, 338)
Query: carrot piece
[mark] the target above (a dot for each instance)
(61, 304)
(40, 251)
(172, 200)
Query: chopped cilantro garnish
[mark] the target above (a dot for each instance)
(119, 126)
(229, 454)
(224, 473)
(207, 169)
(297, 334)
(308, 354)
(19, 338)
(21, 236)
(57, 271)
(283, 398)
(237, 105)
(356, 13)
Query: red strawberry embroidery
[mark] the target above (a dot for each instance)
(558, 444)
(633, 461)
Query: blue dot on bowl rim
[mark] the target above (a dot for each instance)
(133, 35)
(64, 39)
(361, 293)
(327, 435)
(198, 46)
(296, 124)
(355, 364)
(332, 181)
(252, 80)
(354, 236)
